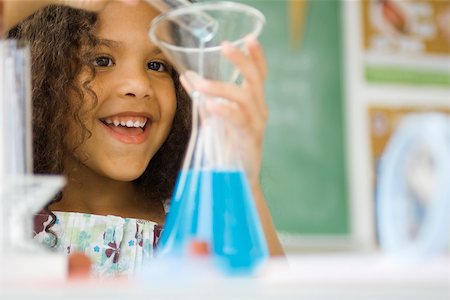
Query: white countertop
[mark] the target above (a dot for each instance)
(322, 276)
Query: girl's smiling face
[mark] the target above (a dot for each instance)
(136, 100)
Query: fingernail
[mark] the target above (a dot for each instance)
(251, 37)
(227, 46)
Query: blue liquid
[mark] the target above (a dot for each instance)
(216, 207)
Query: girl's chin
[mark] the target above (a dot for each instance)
(117, 169)
(120, 175)
(125, 177)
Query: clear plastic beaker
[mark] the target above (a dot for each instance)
(22, 194)
(212, 203)
(15, 109)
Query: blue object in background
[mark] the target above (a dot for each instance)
(413, 199)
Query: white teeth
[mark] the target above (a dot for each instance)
(136, 123)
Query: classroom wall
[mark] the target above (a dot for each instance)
(304, 173)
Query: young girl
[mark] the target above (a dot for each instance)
(111, 115)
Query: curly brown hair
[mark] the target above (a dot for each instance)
(62, 44)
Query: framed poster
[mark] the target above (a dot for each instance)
(406, 42)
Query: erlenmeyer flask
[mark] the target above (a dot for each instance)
(212, 203)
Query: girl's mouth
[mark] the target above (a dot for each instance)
(127, 129)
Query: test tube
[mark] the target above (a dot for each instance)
(202, 25)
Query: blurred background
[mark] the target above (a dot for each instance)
(342, 75)
(342, 174)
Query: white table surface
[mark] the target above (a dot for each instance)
(322, 276)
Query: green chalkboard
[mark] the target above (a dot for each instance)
(304, 171)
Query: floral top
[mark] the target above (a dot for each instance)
(117, 246)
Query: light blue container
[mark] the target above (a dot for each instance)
(413, 195)
(215, 207)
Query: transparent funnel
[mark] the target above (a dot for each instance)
(212, 204)
(198, 48)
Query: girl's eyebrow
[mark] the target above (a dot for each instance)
(116, 44)
(109, 43)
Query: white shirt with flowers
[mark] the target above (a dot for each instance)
(116, 246)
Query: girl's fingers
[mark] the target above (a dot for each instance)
(252, 68)
(256, 52)
(247, 101)
(235, 94)
(248, 139)
(259, 98)
(228, 91)
(247, 68)
(234, 115)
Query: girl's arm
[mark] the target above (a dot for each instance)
(15, 11)
(275, 248)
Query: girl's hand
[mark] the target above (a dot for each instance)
(247, 111)
(92, 5)
(16, 11)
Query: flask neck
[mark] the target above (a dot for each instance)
(213, 141)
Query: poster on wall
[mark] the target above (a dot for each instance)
(406, 42)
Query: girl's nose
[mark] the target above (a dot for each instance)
(135, 83)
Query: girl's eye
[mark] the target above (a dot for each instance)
(103, 61)
(156, 66)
